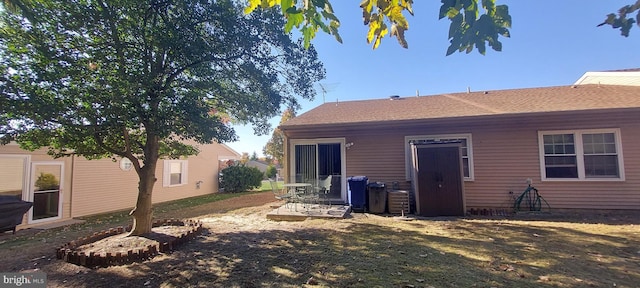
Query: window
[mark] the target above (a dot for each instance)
(581, 154)
(465, 150)
(175, 173)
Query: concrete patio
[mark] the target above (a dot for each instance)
(310, 211)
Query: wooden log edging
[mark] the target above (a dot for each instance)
(68, 253)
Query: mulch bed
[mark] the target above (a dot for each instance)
(114, 247)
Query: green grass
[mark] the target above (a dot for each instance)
(266, 186)
(99, 222)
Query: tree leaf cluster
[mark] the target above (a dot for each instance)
(308, 16)
(376, 13)
(624, 20)
(471, 29)
(474, 23)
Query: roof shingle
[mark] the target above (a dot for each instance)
(500, 102)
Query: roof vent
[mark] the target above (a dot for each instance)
(394, 97)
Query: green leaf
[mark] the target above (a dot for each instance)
(480, 45)
(497, 45)
(308, 32)
(334, 32)
(502, 13)
(452, 48)
(330, 16)
(319, 3)
(294, 19)
(490, 6)
(285, 5)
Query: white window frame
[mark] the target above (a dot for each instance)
(579, 151)
(407, 151)
(166, 173)
(26, 172)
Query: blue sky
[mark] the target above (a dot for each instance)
(552, 43)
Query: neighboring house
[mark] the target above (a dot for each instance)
(579, 144)
(262, 166)
(74, 186)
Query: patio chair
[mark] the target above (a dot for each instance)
(306, 195)
(323, 189)
(281, 194)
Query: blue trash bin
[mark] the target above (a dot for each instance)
(358, 188)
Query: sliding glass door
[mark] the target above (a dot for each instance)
(320, 161)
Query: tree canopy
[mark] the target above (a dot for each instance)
(142, 80)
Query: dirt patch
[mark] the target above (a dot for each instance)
(241, 248)
(122, 243)
(40, 245)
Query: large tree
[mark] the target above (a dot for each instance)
(140, 79)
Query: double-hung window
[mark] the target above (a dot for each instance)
(581, 154)
(174, 173)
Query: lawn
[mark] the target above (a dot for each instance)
(243, 249)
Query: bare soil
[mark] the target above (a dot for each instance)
(241, 248)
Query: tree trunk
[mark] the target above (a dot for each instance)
(142, 213)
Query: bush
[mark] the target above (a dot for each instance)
(271, 172)
(240, 178)
(47, 181)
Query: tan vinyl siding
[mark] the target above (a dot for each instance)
(99, 186)
(505, 154)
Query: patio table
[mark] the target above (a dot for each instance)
(297, 191)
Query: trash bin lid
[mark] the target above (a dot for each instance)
(357, 178)
(376, 185)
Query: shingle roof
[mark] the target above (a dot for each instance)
(501, 102)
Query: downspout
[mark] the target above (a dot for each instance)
(285, 160)
(73, 167)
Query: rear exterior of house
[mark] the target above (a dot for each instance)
(579, 146)
(84, 187)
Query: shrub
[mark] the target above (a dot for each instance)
(271, 172)
(239, 178)
(47, 181)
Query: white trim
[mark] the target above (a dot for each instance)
(408, 153)
(32, 183)
(166, 172)
(617, 74)
(579, 152)
(343, 158)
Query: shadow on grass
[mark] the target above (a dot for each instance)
(453, 253)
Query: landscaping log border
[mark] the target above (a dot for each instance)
(67, 251)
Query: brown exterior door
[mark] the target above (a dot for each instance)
(439, 183)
